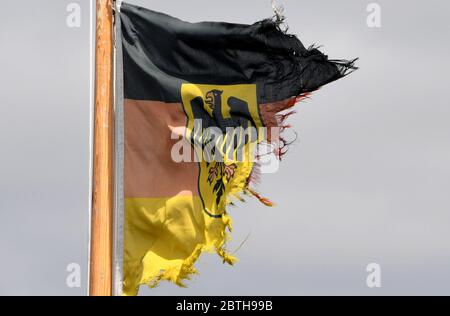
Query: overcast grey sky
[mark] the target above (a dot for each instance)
(367, 180)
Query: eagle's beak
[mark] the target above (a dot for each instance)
(209, 98)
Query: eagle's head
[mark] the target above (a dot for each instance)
(212, 98)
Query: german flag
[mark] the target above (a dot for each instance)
(198, 100)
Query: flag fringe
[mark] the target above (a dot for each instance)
(184, 272)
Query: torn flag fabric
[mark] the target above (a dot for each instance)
(198, 101)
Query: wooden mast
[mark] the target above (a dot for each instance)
(100, 283)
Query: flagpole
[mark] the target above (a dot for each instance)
(100, 273)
